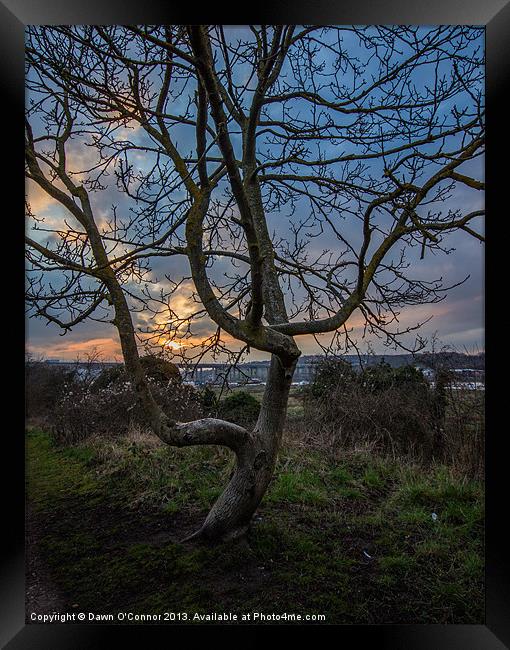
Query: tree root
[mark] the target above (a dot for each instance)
(202, 536)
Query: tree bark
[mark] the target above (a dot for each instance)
(256, 451)
(230, 516)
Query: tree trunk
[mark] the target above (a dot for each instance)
(230, 516)
(256, 451)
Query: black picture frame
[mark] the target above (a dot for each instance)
(495, 15)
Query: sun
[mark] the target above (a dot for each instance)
(174, 345)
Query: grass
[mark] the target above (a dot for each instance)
(295, 403)
(351, 537)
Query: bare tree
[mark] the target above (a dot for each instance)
(296, 170)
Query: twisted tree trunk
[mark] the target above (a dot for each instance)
(256, 451)
(256, 458)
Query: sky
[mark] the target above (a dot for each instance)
(458, 320)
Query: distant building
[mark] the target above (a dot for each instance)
(256, 372)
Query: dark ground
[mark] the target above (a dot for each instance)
(351, 538)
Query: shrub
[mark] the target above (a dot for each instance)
(157, 369)
(161, 370)
(108, 405)
(389, 409)
(332, 374)
(396, 410)
(108, 377)
(240, 407)
(382, 377)
(45, 384)
(463, 432)
(210, 402)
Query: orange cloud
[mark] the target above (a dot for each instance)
(108, 348)
(38, 199)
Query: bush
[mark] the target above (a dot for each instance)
(463, 431)
(396, 411)
(108, 405)
(45, 384)
(161, 370)
(383, 377)
(240, 407)
(108, 377)
(156, 369)
(210, 402)
(330, 375)
(389, 409)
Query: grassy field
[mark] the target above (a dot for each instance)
(357, 538)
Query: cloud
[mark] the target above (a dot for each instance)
(458, 318)
(37, 197)
(108, 348)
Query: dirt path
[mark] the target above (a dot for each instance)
(41, 594)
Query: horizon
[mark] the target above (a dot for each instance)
(466, 353)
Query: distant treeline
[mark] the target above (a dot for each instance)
(443, 359)
(452, 360)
